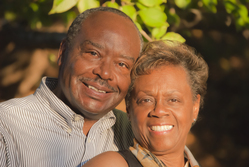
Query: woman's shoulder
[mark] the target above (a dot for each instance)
(107, 159)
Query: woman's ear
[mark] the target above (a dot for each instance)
(128, 112)
(196, 107)
(61, 52)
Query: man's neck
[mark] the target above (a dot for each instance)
(87, 125)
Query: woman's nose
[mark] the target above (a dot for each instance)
(160, 110)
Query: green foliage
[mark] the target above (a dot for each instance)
(86, 4)
(60, 6)
(148, 15)
(182, 3)
(130, 11)
(153, 17)
(173, 36)
(239, 12)
(112, 5)
(211, 5)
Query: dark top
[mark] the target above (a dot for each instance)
(130, 158)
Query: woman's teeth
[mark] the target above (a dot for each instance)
(101, 91)
(162, 128)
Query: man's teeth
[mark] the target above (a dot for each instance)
(101, 91)
(162, 128)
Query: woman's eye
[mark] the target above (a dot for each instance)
(173, 100)
(122, 65)
(145, 101)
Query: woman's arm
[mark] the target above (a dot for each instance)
(107, 159)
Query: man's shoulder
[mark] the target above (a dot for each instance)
(15, 103)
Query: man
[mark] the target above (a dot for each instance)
(70, 120)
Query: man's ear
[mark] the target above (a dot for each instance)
(62, 49)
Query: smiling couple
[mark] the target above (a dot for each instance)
(70, 120)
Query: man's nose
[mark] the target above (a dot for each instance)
(104, 70)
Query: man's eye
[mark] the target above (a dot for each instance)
(146, 100)
(93, 53)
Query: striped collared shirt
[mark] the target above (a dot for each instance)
(40, 130)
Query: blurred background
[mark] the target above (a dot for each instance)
(31, 32)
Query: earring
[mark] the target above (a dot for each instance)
(194, 120)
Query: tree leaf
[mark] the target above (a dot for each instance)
(230, 6)
(151, 3)
(173, 37)
(211, 5)
(87, 4)
(158, 32)
(112, 4)
(141, 6)
(182, 3)
(60, 6)
(130, 11)
(153, 17)
(138, 26)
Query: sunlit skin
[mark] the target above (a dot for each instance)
(95, 74)
(163, 97)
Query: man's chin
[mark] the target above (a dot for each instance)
(93, 115)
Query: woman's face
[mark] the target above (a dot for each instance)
(162, 109)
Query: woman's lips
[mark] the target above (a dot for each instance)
(161, 128)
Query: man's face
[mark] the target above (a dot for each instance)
(95, 74)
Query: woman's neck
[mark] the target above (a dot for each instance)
(173, 160)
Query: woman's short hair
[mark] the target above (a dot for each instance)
(160, 53)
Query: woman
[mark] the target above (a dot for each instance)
(167, 90)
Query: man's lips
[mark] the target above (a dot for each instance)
(91, 87)
(98, 85)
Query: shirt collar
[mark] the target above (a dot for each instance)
(60, 111)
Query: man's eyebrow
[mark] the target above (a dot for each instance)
(86, 42)
(101, 47)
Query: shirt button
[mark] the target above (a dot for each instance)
(69, 130)
(89, 140)
(77, 118)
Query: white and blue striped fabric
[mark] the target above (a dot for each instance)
(41, 131)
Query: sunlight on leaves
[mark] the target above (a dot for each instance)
(10, 16)
(60, 6)
(138, 26)
(173, 37)
(112, 4)
(182, 3)
(130, 11)
(87, 4)
(158, 32)
(151, 3)
(211, 5)
(153, 17)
